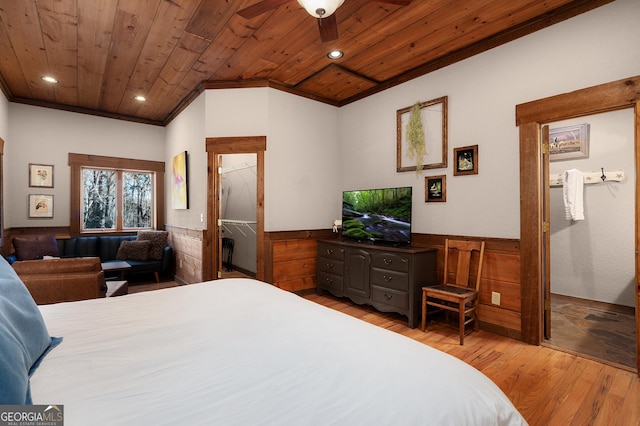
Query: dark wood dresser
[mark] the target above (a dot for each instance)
(387, 278)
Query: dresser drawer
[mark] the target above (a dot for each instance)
(397, 299)
(391, 261)
(331, 266)
(390, 279)
(329, 281)
(330, 252)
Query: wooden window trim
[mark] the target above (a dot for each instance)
(79, 161)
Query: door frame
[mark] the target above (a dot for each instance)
(530, 117)
(211, 248)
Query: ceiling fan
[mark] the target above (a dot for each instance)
(323, 10)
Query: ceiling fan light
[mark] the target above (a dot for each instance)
(320, 8)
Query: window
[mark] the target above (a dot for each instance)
(115, 194)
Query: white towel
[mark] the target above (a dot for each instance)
(572, 189)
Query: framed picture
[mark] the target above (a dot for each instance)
(569, 142)
(40, 176)
(40, 206)
(466, 159)
(435, 188)
(179, 185)
(433, 115)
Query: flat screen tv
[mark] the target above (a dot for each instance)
(377, 215)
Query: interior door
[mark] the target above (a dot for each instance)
(546, 228)
(218, 260)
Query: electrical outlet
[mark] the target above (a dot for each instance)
(181, 263)
(495, 298)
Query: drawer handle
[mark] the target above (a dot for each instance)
(329, 265)
(329, 280)
(387, 278)
(388, 296)
(329, 251)
(387, 261)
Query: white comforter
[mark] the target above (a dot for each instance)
(242, 352)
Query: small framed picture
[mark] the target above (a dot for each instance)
(569, 142)
(466, 160)
(40, 206)
(40, 176)
(435, 188)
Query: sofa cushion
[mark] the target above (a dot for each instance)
(24, 339)
(29, 247)
(133, 250)
(109, 245)
(158, 240)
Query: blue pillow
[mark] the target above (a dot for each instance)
(24, 339)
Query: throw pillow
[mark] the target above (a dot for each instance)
(158, 240)
(30, 247)
(133, 250)
(24, 339)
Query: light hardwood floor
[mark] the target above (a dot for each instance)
(547, 386)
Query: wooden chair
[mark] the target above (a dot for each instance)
(456, 295)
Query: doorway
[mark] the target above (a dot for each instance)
(591, 255)
(612, 96)
(238, 195)
(212, 239)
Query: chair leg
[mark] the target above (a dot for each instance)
(461, 321)
(157, 276)
(423, 324)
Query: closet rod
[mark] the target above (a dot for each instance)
(555, 179)
(226, 170)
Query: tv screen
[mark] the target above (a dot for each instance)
(377, 215)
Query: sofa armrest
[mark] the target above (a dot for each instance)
(167, 257)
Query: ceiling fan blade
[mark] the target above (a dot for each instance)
(260, 8)
(398, 2)
(328, 28)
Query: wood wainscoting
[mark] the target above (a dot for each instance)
(291, 263)
(500, 274)
(187, 251)
(291, 258)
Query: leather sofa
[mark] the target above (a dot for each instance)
(104, 247)
(62, 280)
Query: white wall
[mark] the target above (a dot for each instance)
(47, 136)
(302, 180)
(595, 258)
(587, 50)
(187, 133)
(301, 161)
(4, 117)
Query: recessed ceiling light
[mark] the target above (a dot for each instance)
(49, 79)
(140, 98)
(335, 54)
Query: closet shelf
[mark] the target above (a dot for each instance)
(238, 225)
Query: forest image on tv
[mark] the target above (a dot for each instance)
(377, 215)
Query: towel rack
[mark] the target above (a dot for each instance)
(555, 179)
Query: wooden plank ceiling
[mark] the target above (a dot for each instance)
(104, 52)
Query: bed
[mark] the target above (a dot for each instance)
(242, 352)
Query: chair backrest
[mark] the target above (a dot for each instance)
(465, 250)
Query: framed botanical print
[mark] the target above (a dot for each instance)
(40, 176)
(40, 206)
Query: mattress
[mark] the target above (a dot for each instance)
(242, 352)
